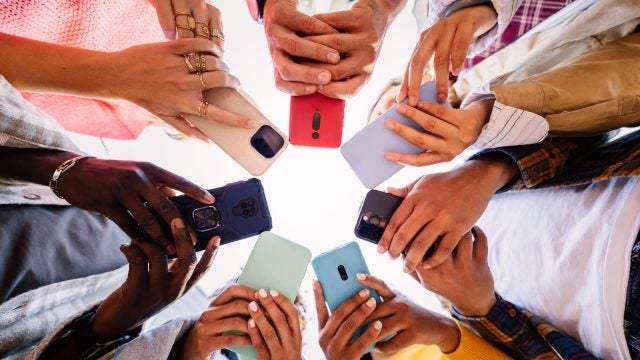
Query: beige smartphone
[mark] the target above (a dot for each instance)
(254, 149)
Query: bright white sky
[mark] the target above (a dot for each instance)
(313, 195)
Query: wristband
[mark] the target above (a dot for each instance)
(55, 178)
(463, 4)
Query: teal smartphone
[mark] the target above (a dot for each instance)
(275, 263)
(336, 270)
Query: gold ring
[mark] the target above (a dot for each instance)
(204, 86)
(202, 109)
(201, 63)
(187, 60)
(191, 22)
(216, 33)
(204, 30)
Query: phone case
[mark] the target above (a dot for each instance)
(336, 270)
(254, 149)
(375, 213)
(365, 150)
(240, 211)
(275, 263)
(316, 120)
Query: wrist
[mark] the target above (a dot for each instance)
(479, 308)
(450, 336)
(495, 170)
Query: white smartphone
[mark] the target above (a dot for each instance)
(254, 149)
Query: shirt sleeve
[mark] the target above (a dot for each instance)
(473, 346)
(522, 334)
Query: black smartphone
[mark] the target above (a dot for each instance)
(375, 212)
(239, 211)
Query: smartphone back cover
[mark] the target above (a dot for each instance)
(254, 149)
(375, 213)
(241, 211)
(365, 150)
(275, 263)
(316, 120)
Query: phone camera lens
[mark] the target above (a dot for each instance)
(343, 273)
(245, 212)
(377, 234)
(315, 135)
(363, 230)
(243, 205)
(251, 203)
(374, 220)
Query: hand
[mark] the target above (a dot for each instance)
(411, 323)
(199, 10)
(448, 40)
(464, 278)
(119, 190)
(176, 91)
(439, 208)
(362, 30)
(337, 330)
(274, 328)
(448, 131)
(226, 313)
(284, 26)
(151, 283)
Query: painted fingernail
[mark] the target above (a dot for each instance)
(371, 302)
(363, 293)
(333, 57)
(207, 196)
(377, 325)
(177, 224)
(253, 306)
(273, 293)
(263, 293)
(310, 89)
(252, 323)
(361, 276)
(250, 123)
(324, 77)
(381, 248)
(402, 108)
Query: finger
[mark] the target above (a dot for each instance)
(234, 308)
(200, 14)
(368, 338)
(217, 79)
(291, 312)
(291, 71)
(162, 206)
(123, 219)
(158, 271)
(182, 22)
(164, 11)
(341, 42)
(147, 221)
(398, 218)
(399, 342)
(211, 63)
(339, 20)
(344, 89)
(343, 311)
(215, 113)
(460, 47)
(376, 284)
(292, 87)
(321, 307)
(195, 45)
(215, 22)
(165, 178)
(439, 111)
(418, 138)
(403, 91)
(256, 340)
(430, 123)
(463, 252)
(423, 159)
(186, 254)
(442, 64)
(421, 56)
(267, 331)
(235, 291)
(344, 70)
(308, 25)
(444, 249)
(221, 326)
(352, 323)
(185, 127)
(167, 191)
(296, 46)
(138, 266)
(480, 245)
(406, 233)
(206, 260)
(278, 319)
(403, 191)
(421, 244)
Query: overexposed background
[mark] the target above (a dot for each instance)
(312, 193)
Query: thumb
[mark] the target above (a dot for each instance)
(138, 265)
(402, 191)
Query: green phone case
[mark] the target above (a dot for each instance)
(275, 263)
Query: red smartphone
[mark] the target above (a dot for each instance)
(316, 120)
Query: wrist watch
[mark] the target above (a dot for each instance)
(256, 8)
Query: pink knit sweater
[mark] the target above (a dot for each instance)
(106, 25)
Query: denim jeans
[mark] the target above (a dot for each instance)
(632, 307)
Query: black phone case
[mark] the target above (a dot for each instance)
(239, 211)
(375, 213)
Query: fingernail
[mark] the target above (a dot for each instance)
(389, 124)
(250, 123)
(401, 95)
(401, 109)
(406, 270)
(426, 266)
(381, 248)
(177, 224)
(310, 89)
(390, 158)
(363, 293)
(377, 325)
(361, 276)
(252, 323)
(263, 293)
(170, 35)
(333, 57)
(371, 302)
(194, 239)
(253, 306)
(210, 199)
(274, 293)
(324, 77)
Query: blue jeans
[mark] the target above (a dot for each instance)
(632, 307)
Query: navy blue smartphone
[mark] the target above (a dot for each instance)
(375, 212)
(240, 211)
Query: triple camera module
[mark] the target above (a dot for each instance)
(371, 226)
(208, 217)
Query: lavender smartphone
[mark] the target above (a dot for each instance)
(375, 213)
(240, 211)
(365, 150)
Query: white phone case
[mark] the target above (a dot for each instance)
(239, 142)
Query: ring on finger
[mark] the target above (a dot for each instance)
(191, 22)
(204, 30)
(204, 86)
(202, 109)
(216, 33)
(187, 61)
(201, 63)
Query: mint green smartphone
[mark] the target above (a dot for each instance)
(275, 263)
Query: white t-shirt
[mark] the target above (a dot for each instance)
(564, 254)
